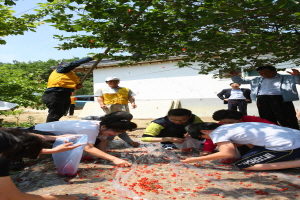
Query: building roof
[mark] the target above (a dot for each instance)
(108, 63)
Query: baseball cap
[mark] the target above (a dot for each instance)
(112, 79)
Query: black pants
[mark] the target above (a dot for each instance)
(58, 104)
(71, 110)
(233, 104)
(274, 109)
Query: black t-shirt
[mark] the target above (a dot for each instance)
(4, 166)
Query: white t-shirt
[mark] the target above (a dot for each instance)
(78, 127)
(272, 137)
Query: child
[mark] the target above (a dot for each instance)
(229, 117)
(272, 147)
(18, 143)
(171, 128)
(108, 126)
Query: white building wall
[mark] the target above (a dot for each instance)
(167, 81)
(163, 81)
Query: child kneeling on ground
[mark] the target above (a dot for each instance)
(272, 147)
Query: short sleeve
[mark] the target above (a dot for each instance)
(219, 135)
(98, 93)
(130, 93)
(91, 134)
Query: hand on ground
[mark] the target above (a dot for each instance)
(190, 160)
(134, 144)
(121, 163)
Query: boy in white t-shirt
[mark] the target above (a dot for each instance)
(272, 146)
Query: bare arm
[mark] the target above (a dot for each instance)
(61, 148)
(168, 139)
(101, 102)
(102, 145)
(226, 150)
(89, 148)
(8, 191)
(132, 101)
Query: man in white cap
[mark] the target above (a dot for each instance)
(115, 99)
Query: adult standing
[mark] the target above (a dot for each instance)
(236, 97)
(61, 83)
(274, 94)
(115, 99)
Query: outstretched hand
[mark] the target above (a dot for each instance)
(294, 72)
(190, 160)
(121, 163)
(65, 147)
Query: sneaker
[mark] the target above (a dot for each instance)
(169, 146)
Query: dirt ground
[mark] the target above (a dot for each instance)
(156, 174)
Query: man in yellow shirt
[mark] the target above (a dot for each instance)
(115, 99)
(61, 83)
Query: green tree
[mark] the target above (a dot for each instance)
(21, 87)
(11, 25)
(219, 34)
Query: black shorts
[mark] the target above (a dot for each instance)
(259, 155)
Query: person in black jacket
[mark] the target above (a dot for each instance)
(236, 97)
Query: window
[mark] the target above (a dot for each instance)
(251, 73)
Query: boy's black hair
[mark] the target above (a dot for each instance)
(180, 112)
(124, 115)
(227, 114)
(269, 67)
(117, 123)
(20, 143)
(194, 129)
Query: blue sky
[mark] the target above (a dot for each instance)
(39, 45)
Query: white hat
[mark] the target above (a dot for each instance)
(112, 79)
(6, 105)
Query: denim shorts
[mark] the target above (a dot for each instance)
(258, 155)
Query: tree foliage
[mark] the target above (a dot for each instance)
(21, 87)
(24, 83)
(12, 25)
(219, 34)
